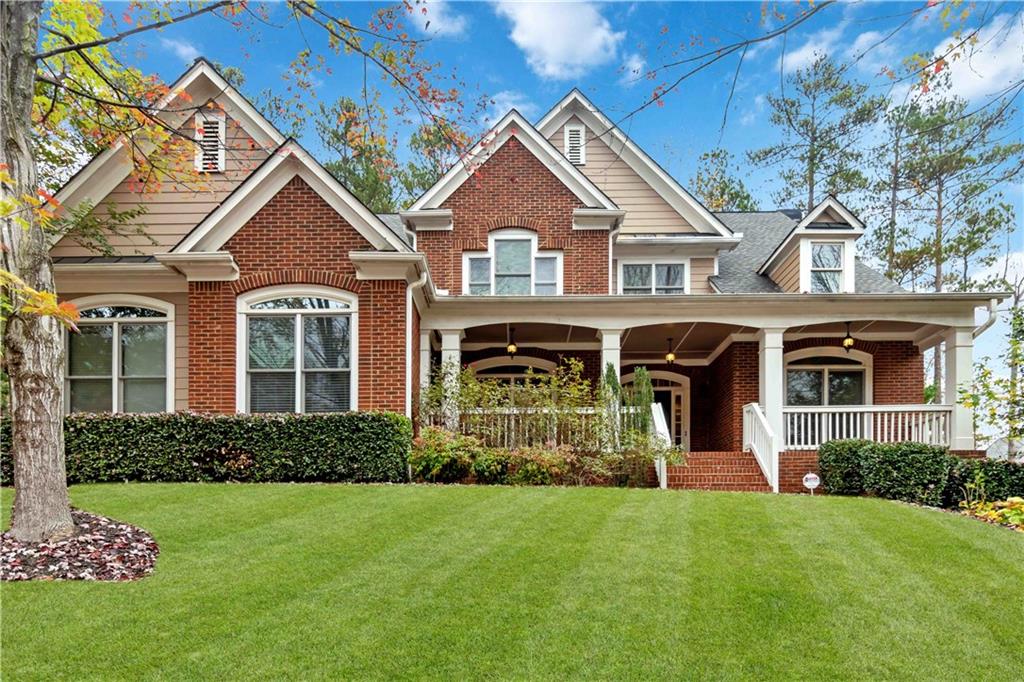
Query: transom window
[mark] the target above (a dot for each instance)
(641, 279)
(826, 380)
(512, 266)
(826, 267)
(120, 359)
(297, 352)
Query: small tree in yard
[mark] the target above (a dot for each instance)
(63, 93)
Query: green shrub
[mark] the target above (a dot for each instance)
(441, 456)
(184, 446)
(912, 472)
(993, 480)
(491, 466)
(839, 462)
(540, 465)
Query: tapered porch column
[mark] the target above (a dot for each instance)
(959, 376)
(451, 365)
(772, 384)
(611, 350)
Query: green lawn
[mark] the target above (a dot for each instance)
(258, 581)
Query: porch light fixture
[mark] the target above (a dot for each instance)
(670, 357)
(512, 348)
(848, 340)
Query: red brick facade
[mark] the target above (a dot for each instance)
(297, 238)
(514, 189)
(898, 368)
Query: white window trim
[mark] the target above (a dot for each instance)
(244, 308)
(535, 253)
(653, 261)
(846, 277)
(866, 361)
(200, 118)
(582, 129)
(103, 301)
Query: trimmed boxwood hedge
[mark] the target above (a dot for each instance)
(349, 447)
(914, 472)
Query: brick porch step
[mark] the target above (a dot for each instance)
(737, 471)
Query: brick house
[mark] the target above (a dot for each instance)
(272, 288)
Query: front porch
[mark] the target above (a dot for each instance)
(773, 393)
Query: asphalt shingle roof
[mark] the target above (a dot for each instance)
(394, 223)
(762, 232)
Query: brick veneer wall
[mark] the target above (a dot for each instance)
(898, 368)
(515, 189)
(735, 383)
(297, 238)
(793, 465)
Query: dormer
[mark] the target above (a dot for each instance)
(819, 254)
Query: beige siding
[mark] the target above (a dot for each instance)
(646, 211)
(173, 209)
(787, 273)
(700, 270)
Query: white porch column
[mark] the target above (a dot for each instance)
(451, 365)
(772, 381)
(959, 375)
(424, 359)
(610, 350)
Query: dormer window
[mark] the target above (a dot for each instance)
(826, 267)
(210, 142)
(576, 144)
(512, 266)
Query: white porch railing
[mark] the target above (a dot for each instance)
(759, 439)
(660, 428)
(806, 428)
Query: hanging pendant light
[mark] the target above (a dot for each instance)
(512, 348)
(670, 357)
(848, 339)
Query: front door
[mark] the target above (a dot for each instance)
(664, 398)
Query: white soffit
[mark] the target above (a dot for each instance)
(684, 203)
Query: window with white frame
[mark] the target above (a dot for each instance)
(512, 266)
(826, 267)
(643, 279)
(210, 142)
(121, 357)
(576, 144)
(820, 379)
(297, 350)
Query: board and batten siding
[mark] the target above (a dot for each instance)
(787, 273)
(173, 209)
(646, 211)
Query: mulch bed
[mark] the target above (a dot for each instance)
(101, 549)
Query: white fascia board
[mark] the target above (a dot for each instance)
(217, 266)
(263, 184)
(834, 204)
(596, 218)
(514, 124)
(684, 203)
(428, 220)
(720, 243)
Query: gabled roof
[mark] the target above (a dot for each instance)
(288, 161)
(684, 203)
(847, 225)
(202, 82)
(514, 125)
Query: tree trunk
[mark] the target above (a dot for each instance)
(33, 347)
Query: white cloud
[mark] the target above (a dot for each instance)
(751, 115)
(632, 70)
(1009, 264)
(561, 40)
(873, 50)
(502, 102)
(182, 49)
(437, 19)
(993, 63)
(821, 43)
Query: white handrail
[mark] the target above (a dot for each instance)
(807, 427)
(660, 428)
(759, 439)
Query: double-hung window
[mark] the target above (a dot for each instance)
(512, 266)
(120, 359)
(642, 279)
(298, 353)
(825, 381)
(826, 267)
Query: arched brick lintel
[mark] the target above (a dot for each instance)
(506, 221)
(271, 278)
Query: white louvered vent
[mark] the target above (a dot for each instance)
(210, 139)
(576, 144)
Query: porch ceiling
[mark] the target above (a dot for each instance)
(530, 333)
(689, 339)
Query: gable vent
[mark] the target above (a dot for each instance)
(210, 147)
(576, 144)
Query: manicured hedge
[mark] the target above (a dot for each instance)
(915, 472)
(353, 447)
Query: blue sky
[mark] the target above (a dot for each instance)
(528, 55)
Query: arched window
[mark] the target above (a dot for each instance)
(828, 376)
(297, 350)
(122, 357)
(504, 368)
